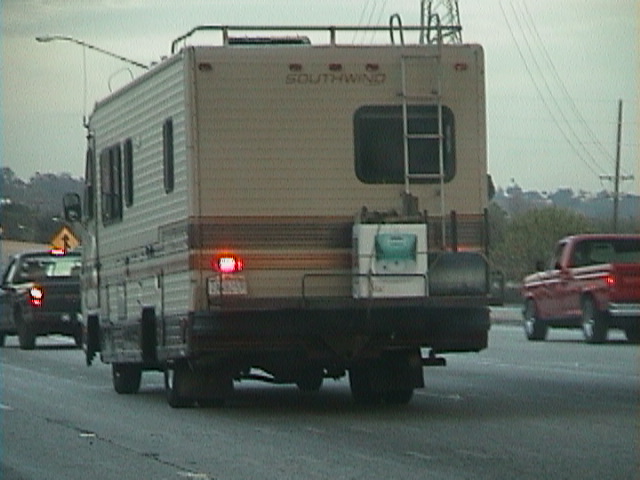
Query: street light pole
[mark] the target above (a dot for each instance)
(51, 38)
(85, 45)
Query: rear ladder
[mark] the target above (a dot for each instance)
(435, 97)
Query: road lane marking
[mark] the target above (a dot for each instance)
(419, 455)
(454, 396)
(197, 476)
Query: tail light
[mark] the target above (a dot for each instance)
(610, 280)
(228, 264)
(36, 294)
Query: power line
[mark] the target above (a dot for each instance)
(540, 93)
(545, 85)
(560, 83)
(591, 160)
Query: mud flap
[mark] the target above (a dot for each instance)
(93, 342)
(148, 337)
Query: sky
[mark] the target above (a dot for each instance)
(555, 73)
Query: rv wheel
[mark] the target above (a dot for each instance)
(174, 379)
(126, 377)
(362, 391)
(310, 381)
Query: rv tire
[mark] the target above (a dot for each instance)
(362, 390)
(400, 396)
(310, 380)
(174, 379)
(126, 377)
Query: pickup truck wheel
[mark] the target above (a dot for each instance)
(126, 377)
(26, 337)
(174, 377)
(534, 329)
(594, 327)
(633, 334)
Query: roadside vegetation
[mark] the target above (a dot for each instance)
(519, 241)
(524, 225)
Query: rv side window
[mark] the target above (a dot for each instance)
(167, 142)
(89, 185)
(379, 143)
(128, 172)
(111, 184)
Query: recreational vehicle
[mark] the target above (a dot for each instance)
(291, 208)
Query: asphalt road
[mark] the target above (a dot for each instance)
(519, 410)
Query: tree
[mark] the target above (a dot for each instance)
(531, 236)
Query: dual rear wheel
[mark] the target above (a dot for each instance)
(389, 379)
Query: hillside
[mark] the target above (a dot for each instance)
(597, 207)
(30, 211)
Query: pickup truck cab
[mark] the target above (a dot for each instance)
(40, 295)
(592, 282)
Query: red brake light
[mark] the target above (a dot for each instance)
(229, 264)
(36, 294)
(611, 281)
(57, 251)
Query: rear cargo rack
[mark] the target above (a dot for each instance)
(250, 31)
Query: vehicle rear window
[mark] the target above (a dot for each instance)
(379, 138)
(36, 267)
(619, 250)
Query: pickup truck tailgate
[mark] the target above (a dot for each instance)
(626, 278)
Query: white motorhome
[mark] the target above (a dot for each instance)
(289, 209)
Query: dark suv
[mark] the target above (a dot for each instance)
(40, 295)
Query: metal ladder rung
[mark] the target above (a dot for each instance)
(424, 136)
(417, 98)
(425, 176)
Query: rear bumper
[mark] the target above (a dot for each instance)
(340, 330)
(624, 315)
(64, 323)
(624, 310)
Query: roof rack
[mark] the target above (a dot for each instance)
(332, 30)
(288, 40)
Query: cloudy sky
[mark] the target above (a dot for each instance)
(555, 73)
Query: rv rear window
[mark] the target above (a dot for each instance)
(379, 143)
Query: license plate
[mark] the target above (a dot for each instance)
(232, 284)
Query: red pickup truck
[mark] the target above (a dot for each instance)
(592, 282)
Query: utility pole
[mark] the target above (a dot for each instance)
(617, 177)
(616, 183)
